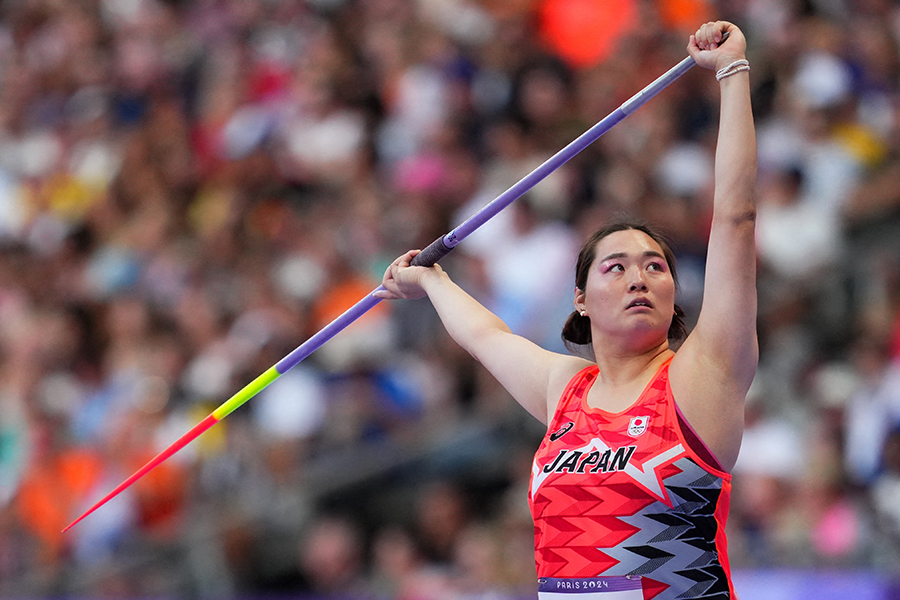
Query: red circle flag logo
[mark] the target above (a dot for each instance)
(637, 425)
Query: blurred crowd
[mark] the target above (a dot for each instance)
(189, 189)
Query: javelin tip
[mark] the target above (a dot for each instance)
(183, 441)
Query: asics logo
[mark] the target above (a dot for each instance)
(561, 431)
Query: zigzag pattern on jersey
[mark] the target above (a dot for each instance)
(654, 517)
(672, 548)
(680, 539)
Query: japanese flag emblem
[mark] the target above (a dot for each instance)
(637, 426)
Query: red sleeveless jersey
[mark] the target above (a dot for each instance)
(616, 494)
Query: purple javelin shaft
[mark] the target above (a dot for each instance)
(328, 332)
(564, 155)
(443, 245)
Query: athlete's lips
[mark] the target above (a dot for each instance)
(640, 301)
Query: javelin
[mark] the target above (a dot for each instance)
(428, 257)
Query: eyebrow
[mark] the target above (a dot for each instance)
(647, 253)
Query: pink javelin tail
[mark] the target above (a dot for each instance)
(183, 441)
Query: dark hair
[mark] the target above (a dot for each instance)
(577, 330)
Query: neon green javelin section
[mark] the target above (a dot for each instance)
(247, 392)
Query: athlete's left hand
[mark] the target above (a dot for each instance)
(710, 52)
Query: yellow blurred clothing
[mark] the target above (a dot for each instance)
(862, 143)
(62, 195)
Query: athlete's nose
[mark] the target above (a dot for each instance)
(637, 281)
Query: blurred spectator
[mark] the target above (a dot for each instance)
(441, 515)
(884, 492)
(873, 411)
(331, 557)
(798, 241)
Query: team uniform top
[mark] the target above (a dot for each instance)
(633, 494)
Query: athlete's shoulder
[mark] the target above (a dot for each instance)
(566, 369)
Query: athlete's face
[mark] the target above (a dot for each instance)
(630, 288)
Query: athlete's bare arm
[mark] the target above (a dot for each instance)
(712, 371)
(535, 377)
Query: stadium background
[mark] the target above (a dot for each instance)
(189, 189)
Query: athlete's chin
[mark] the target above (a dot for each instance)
(649, 332)
(646, 321)
(645, 327)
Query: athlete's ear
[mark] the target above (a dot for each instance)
(579, 301)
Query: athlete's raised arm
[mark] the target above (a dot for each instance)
(532, 375)
(716, 364)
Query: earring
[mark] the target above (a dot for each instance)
(582, 312)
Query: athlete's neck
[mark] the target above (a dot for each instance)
(621, 369)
